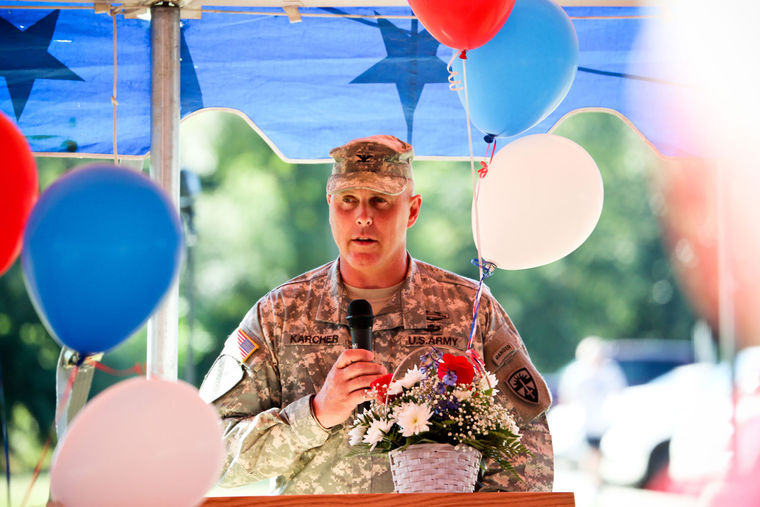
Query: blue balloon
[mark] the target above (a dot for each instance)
(101, 247)
(522, 74)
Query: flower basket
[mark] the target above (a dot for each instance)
(436, 423)
(435, 468)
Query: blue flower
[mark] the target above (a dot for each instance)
(450, 379)
(426, 361)
(430, 359)
(447, 405)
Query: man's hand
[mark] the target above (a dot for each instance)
(345, 386)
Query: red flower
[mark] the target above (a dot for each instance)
(381, 384)
(457, 364)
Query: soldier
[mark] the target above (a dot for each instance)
(287, 381)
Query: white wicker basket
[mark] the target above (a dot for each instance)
(435, 468)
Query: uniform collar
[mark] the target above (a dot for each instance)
(333, 304)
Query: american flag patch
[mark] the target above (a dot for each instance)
(246, 345)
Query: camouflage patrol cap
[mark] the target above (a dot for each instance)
(380, 163)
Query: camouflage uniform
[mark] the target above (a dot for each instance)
(292, 337)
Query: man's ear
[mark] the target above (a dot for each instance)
(415, 203)
(328, 199)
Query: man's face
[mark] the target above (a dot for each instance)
(370, 230)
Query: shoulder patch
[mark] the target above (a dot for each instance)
(246, 345)
(526, 392)
(225, 373)
(523, 385)
(500, 347)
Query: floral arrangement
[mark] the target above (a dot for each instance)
(444, 401)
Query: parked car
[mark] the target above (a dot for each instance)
(641, 359)
(676, 429)
(636, 447)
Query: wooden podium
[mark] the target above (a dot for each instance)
(399, 500)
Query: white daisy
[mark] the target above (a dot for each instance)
(395, 387)
(356, 434)
(492, 380)
(484, 383)
(376, 431)
(412, 377)
(413, 419)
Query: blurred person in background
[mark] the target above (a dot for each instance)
(587, 383)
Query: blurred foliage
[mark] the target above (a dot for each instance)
(618, 284)
(261, 221)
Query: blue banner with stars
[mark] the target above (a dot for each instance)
(307, 86)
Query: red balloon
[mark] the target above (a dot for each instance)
(18, 190)
(462, 24)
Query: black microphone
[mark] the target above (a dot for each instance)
(360, 320)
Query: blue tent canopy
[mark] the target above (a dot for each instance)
(306, 87)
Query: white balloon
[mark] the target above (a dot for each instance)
(539, 201)
(139, 442)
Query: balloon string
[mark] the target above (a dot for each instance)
(453, 82)
(5, 439)
(49, 440)
(486, 268)
(475, 179)
(483, 171)
(492, 144)
(137, 369)
(38, 468)
(479, 364)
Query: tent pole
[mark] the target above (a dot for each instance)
(164, 161)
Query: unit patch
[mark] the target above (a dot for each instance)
(523, 385)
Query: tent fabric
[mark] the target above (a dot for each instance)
(306, 87)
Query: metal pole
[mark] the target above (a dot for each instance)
(164, 161)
